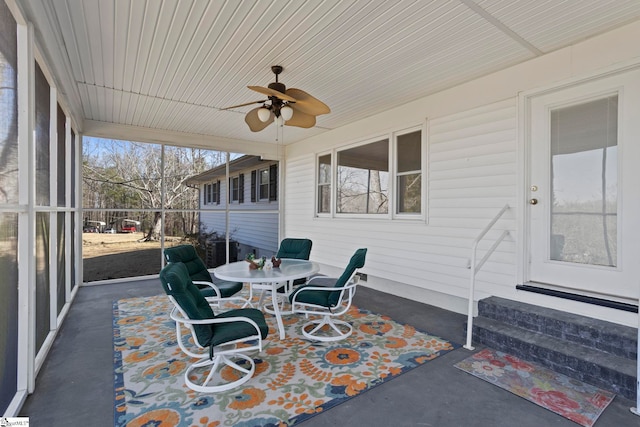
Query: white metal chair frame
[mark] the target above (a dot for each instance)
(218, 299)
(327, 314)
(221, 352)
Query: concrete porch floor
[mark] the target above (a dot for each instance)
(75, 385)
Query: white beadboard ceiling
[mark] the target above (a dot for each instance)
(173, 65)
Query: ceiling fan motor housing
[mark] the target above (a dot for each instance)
(280, 87)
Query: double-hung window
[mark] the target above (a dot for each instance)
(263, 184)
(324, 184)
(234, 184)
(211, 193)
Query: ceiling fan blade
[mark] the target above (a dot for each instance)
(254, 122)
(307, 103)
(243, 105)
(270, 92)
(301, 119)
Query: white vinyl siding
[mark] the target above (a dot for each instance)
(251, 224)
(259, 230)
(471, 175)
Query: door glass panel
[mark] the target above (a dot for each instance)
(584, 183)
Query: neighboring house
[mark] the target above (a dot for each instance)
(252, 201)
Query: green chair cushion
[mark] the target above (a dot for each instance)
(330, 298)
(187, 255)
(177, 283)
(294, 248)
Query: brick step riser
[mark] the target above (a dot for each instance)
(612, 343)
(569, 365)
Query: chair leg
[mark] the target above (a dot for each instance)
(332, 323)
(216, 365)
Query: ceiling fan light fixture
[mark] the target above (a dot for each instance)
(264, 114)
(286, 112)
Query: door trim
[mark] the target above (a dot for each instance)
(523, 159)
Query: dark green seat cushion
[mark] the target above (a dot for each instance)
(177, 283)
(296, 249)
(329, 298)
(187, 255)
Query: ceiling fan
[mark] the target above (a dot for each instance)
(295, 106)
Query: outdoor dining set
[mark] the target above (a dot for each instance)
(217, 338)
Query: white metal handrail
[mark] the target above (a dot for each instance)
(475, 267)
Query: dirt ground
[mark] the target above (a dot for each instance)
(115, 256)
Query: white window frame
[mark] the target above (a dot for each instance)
(392, 184)
(423, 177)
(330, 184)
(234, 183)
(259, 184)
(390, 190)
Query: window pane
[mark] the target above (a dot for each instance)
(8, 301)
(409, 193)
(8, 109)
(363, 179)
(409, 152)
(73, 169)
(61, 262)
(72, 261)
(62, 158)
(42, 278)
(264, 184)
(43, 118)
(324, 198)
(324, 169)
(584, 159)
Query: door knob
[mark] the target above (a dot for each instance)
(533, 201)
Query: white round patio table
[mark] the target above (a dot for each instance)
(269, 279)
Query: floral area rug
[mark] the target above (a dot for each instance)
(570, 398)
(295, 378)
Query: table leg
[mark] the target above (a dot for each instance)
(276, 310)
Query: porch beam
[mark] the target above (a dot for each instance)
(181, 139)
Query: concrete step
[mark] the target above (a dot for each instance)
(593, 366)
(605, 336)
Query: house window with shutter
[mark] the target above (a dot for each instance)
(212, 193)
(264, 184)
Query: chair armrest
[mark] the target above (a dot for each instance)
(178, 317)
(298, 291)
(210, 284)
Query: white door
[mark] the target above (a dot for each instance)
(584, 194)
